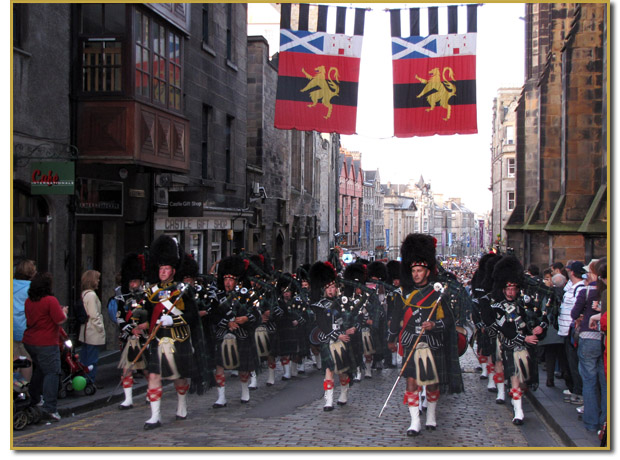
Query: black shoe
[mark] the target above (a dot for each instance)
(517, 421)
(328, 408)
(431, 427)
(253, 388)
(492, 390)
(412, 433)
(286, 378)
(152, 426)
(179, 417)
(269, 384)
(341, 403)
(121, 407)
(500, 401)
(218, 406)
(245, 401)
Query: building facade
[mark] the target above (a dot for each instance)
(562, 137)
(503, 160)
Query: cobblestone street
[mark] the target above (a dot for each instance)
(290, 415)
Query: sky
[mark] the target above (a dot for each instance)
(456, 166)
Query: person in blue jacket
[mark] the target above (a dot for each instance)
(23, 272)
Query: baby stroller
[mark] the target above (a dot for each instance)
(24, 412)
(75, 375)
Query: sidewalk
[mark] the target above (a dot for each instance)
(548, 402)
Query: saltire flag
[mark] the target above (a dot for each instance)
(318, 72)
(434, 75)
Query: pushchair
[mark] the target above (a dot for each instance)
(75, 376)
(24, 412)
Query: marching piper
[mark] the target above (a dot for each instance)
(434, 360)
(336, 353)
(517, 338)
(171, 357)
(133, 322)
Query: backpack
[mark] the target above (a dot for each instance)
(80, 312)
(113, 309)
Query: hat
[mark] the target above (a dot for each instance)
(377, 270)
(302, 273)
(285, 282)
(230, 266)
(132, 268)
(163, 251)
(393, 270)
(355, 272)
(257, 266)
(321, 274)
(576, 267)
(589, 268)
(418, 249)
(187, 267)
(508, 271)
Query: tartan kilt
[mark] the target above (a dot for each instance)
(488, 345)
(509, 366)
(327, 362)
(288, 338)
(440, 363)
(303, 340)
(183, 358)
(248, 359)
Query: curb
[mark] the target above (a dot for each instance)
(549, 420)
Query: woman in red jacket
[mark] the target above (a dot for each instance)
(44, 315)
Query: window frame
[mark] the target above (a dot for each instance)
(510, 200)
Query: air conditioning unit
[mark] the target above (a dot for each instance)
(163, 180)
(161, 196)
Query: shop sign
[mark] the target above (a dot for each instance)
(96, 197)
(52, 178)
(196, 223)
(185, 204)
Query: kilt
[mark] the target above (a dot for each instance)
(183, 359)
(487, 345)
(130, 351)
(509, 366)
(288, 338)
(440, 363)
(248, 359)
(327, 361)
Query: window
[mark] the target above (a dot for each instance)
(229, 140)
(510, 201)
(308, 161)
(229, 31)
(206, 24)
(19, 22)
(102, 28)
(158, 51)
(511, 167)
(296, 159)
(510, 135)
(206, 123)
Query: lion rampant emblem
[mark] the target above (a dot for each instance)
(439, 91)
(326, 84)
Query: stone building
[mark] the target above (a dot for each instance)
(147, 103)
(373, 234)
(351, 180)
(290, 175)
(562, 138)
(43, 229)
(503, 160)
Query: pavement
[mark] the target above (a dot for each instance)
(547, 402)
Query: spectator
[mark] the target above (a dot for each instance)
(547, 275)
(92, 333)
(43, 318)
(591, 367)
(533, 270)
(553, 345)
(565, 326)
(558, 268)
(23, 273)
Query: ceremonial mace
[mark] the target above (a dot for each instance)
(438, 287)
(149, 340)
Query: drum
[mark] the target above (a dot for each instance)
(261, 337)
(340, 356)
(230, 352)
(367, 342)
(314, 337)
(462, 339)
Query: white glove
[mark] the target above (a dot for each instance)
(166, 320)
